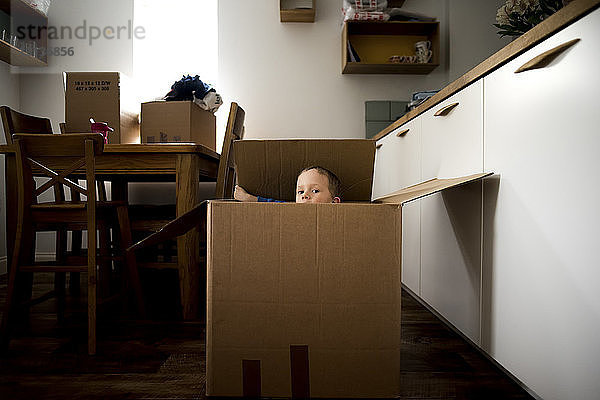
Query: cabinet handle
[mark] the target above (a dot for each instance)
(377, 147)
(402, 132)
(442, 112)
(546, 57)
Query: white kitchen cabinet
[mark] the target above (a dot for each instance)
(542, 226)
(398, 159)
(382, 174)
(452, 145)
(398, 165)
(452, 140)
(441, 249)
(451, 256)
(406, 146)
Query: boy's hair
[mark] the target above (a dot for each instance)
(335, 186)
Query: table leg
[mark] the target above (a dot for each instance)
(188, 245)
(118, 190)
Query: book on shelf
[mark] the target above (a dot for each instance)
(352, 54)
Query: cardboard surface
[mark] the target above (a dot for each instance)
(304, 299)
(426, 188)
(326, 276)
(269, 168)
(102, 96)
(178, 121)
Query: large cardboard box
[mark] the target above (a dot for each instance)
(178, 121)
(303, 300)
(105, 97)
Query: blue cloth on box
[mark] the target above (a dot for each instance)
(268, 200)
(188, 88)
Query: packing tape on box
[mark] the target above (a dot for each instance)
(299, 372)
(251, 378)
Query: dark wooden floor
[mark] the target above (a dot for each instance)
(165, 360)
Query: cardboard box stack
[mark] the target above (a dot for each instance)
(105, 97)
(178, 121)
(303, 300)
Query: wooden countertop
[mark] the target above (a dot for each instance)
(562, 18)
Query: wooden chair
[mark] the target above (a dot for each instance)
(100, 184)
(34, 155)
(15, 122)
(168, 230)
(226, 174)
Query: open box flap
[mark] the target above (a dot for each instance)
(428, 187)
(269, 168)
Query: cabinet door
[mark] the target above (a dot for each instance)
(398, 165)
(384, 156)
(407, 155)
(451, 256)
(398, 159)
(541, 264)
(453, 139)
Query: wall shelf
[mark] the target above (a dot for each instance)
(375, 42)
(16, 14)
(17, 57)
(297, 10)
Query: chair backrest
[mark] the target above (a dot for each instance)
(16, 122)
(234, 131)
(36, 152)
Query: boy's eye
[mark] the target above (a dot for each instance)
(315, 190)
(300, 191)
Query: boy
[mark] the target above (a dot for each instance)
(314, 185)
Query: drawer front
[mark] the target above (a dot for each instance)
(398, 159)
(406, 145)
(384, 158)
(453, 135)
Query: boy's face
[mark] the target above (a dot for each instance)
(313, 187)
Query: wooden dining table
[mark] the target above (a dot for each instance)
(185, 164)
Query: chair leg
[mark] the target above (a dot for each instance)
(126, 241)
(76, 246)
(24, 281)
(12, 291)
(59, 277)
(75, 277)
(104, 263)
(92, 278)
(101, 190)
(59, 288)
(9, 306)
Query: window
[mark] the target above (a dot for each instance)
(181, 37)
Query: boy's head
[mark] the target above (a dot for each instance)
(317, 185)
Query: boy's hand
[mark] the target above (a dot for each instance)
(240, 194)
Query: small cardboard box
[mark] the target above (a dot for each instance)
(178, 121)
(105, 97)
(303, 300)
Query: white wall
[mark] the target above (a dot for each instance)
(287, 76)
(42, 89)
(472, 36)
